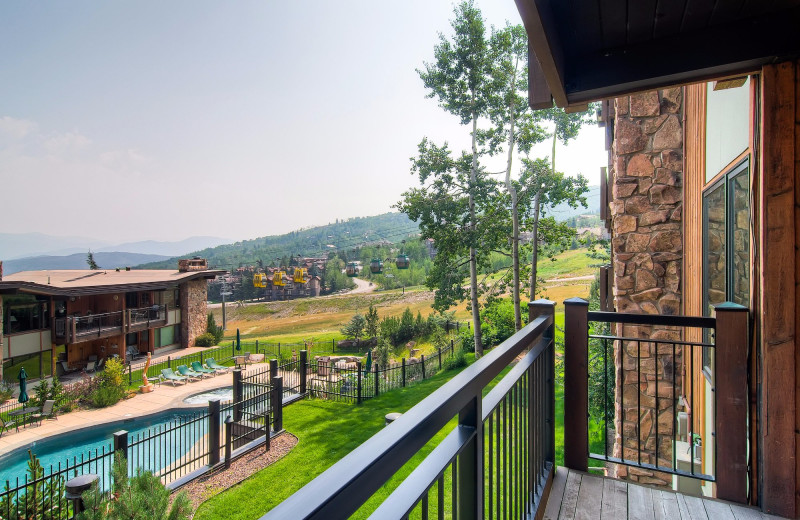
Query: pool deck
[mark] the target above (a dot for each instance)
(164, 397)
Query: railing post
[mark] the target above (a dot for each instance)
(256, 346)
(470, 463)
(130, 373)
(273, 369)
(730, 371)
(228, 439)
(333, 345)
(121, 442)
(358, 380)
(576, 387)
(201, 357)
(403, 371)
(237, 394)
(538, 308)
(276, 403)
(213, 432)
(303, 371)
(169, 362)
(422, 358)
(267, 436)
(279, 350)
(377, 380)
(440, 358)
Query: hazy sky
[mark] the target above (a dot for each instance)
(134, 120)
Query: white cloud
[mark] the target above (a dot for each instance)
(64, 143)
(16, 128)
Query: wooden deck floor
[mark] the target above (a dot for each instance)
(581, 496)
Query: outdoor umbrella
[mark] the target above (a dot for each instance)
(23, 378)
(368, 364)
(238, 343)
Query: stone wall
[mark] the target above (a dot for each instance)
(647, 246)
(194, 310)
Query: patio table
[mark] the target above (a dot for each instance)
(24, 413)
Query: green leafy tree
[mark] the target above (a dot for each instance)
(372, 322)
(546, 188)
(354, 329)
(460, 78)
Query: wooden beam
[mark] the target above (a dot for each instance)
(778, 328)
(539, 95)
(576, 377)
(543, 39)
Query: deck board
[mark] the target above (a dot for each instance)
(556, 494)
(581, 496)
(589, 496)
(570, 502)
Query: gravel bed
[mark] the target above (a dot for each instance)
(205, 487)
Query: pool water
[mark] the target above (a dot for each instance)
(221, 394)
(71, 446)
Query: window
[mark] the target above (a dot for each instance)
(23, 312)
(726, 242)
(727, 125)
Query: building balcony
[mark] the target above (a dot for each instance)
(500, 460)
(77, 329)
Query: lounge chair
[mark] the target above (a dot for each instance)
(172, 377)
(188, 372)
(48, 411)
(90, 367)
(65, 367)
(100, 364)
(211, 363)
(197, 367)
(4, 426)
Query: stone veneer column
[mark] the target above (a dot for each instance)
(193, 310)
(647, 246)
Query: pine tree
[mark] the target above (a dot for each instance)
(90, 261)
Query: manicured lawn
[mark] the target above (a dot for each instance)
(327, 431)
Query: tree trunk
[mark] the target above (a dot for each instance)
(473, 261)
(535, 243)
(514, 219)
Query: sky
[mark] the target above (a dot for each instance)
(137, 120)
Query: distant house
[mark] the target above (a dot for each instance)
(72, 315)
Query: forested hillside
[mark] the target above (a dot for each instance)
(340, 236)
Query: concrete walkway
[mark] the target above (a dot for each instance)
(164, 397)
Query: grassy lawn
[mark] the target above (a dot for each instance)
(327, 431)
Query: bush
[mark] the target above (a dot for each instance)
(6, 391)
(213, 329)
(110, 385)
(497, 322)
(205, 340)
(458, 360)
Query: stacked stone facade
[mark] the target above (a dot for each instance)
(193, 296)
(647, 250)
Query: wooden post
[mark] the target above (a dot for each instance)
(730, 370)
(576, 378)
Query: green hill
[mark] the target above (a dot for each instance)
(345, 235)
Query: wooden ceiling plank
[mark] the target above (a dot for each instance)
(669, 15)
(726, 11)
(697, 15)
(586, 30)
(614, 20)
(544, 39)
(641, 18)
(756, 7)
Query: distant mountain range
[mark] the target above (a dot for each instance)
(78, 261)
(24, 245)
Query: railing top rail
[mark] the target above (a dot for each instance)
(653, 319)
(339, 490)
(95, 316)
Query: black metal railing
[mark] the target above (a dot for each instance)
(83, 328)
(176, 451)
(657, 388)
(145, 316)
(517, 416)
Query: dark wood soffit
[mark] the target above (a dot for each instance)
(586, 74)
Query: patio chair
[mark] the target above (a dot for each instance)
(197, 367)
(100, 364)
(211, 363)
(4, 426)
(48, 411)
(65, 367)
(188, 372)
(90, 367)
(172, 377)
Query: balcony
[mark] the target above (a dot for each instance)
(77, 329)
(500, 459)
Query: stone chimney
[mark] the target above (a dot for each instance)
(193, 264)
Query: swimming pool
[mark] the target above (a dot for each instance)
(222, 394)
(153, 454)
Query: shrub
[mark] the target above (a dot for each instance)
(6, 391)
(213, 329)
(110, 385)
(205, 340)
(382, 353)
(355, 328)
(497, 322)
(458, 360)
